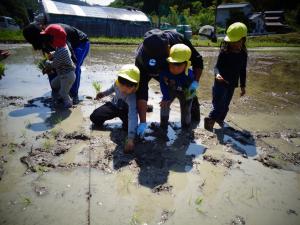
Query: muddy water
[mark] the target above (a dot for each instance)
(247, 173)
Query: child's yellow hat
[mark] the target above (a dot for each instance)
(180, 53)
(235, 32)
(130, 72)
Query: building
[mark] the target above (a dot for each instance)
(255, 19)
(275, 22)
(225, 10)
(97, 20)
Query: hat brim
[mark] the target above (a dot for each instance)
(125, 76)
(227, 39)
(171, 60)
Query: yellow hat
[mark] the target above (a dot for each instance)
(130, 72)
(180, 53)
(236, 32)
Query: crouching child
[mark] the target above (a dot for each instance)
(61, 62)
(177, 82)
(123, 104)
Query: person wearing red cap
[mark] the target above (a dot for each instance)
(61, 62)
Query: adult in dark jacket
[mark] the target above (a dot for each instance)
(77, 42)
(151, 60)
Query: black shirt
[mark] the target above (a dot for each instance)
(232, 67)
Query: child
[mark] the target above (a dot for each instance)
(230, 68)
(178, 81)
(123, 104)
(62, 63)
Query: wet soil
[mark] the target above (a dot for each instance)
(227, 176)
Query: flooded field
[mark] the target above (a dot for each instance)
(54, 169)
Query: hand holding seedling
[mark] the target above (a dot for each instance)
(99, 96)
(221, 79)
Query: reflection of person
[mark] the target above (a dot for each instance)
(123, 104)
(230, 68)
(77, 42)
(176, 82)
(151, 59)
(62, 63)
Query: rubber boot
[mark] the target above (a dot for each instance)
(164, 121)
(209, 123)
(195, 110)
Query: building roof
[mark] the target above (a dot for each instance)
(254, 16)
(54, 7)
(233, 5)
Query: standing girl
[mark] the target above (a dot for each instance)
(229, 70)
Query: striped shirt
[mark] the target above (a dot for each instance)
(62, 62)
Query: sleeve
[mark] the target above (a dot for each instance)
(132, 116)
(109, 91)
(142, 92)
(243, 72)
(219, 64)
(163, 87)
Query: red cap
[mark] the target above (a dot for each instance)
(58, 33)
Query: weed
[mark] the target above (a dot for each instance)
(97, 86)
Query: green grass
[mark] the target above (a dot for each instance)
(13, 36)
(274, 40)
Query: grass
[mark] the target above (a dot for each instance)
(274, 40)
(11, 36)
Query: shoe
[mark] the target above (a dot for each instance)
(209, 123)
(67, 104)
(76, 100)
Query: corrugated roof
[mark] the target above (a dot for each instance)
(232, 5)
(53, 7)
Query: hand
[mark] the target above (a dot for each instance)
(243, 91)
(99, 96)
(129, 146)
(221, 79)
(193, 87)
(164, 104)
(50, 55)
(141, 129)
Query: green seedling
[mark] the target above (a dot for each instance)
(134, 220)
(26, 201)
(198, 200)
(97, 86)
(54, 133)
(47, 144)
(41, 64)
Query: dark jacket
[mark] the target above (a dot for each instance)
(232, 67)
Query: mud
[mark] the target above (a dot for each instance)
(244, 173)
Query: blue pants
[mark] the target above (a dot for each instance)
(80, 52)
(222, 95)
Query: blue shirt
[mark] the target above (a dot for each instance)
(169, 82)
